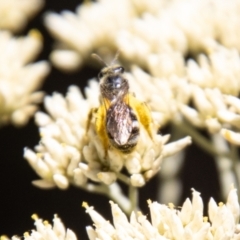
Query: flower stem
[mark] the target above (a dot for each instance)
(227, 166)
(219, 150)
(113, 192)
(133, 196)
(123, 178)
(199, 139)
(235, 165)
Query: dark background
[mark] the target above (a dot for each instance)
(19, 199)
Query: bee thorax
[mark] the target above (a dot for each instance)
(114, 87)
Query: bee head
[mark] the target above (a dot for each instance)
(112, 81)
(111, 71)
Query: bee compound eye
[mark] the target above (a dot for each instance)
(119, 69)
(100, 75)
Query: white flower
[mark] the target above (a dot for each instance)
(81, 37)
(15, 14)
(69, 153)
(169, 223)
(166, 222)
(19, 79)
(231, 136)
(213, 84)
(141, 29)
(157, 38)
(161, 94)
(44, 230)
(220, 68)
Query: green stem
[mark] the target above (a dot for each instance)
(132, 192)
(232, 157)
(116, 195)
(123, 178)
(200, 140)
(235, 160)
(133, 196)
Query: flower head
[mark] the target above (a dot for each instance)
(72, 151)
(19, 79)
(157, 38)
(15, 14)
(143, 30)
(47, 231)
(168, 222)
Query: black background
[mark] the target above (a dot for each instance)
(19, 199)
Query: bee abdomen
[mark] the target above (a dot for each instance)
(122, 127)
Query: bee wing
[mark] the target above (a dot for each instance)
(143, 112)
(119, 123)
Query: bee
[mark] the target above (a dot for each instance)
(120, 113)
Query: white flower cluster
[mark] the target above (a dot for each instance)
(168, 222)
(162, 95)
(19, 79)
(143, 30)
(44, 230)
(68, 153)
(157, 35)
(93, 26)
(233, 118)
(15, 14)
(212, 83)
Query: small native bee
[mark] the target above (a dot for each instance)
(120, 114)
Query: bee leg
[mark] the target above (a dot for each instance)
(146, 119)
(100, 126)
(90, 115)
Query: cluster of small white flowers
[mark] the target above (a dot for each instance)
(15, 14)
(162, 95)
(79, 38)
(212, 82)
(210, 85)
(68, 153)
(233, 119)
(168, 222)
(19, 79)
(143, 29)
(63, 132)
(156, 36)
(44, 230)
(219, 69)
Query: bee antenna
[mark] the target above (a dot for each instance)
(98, 58)
(115, 57)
